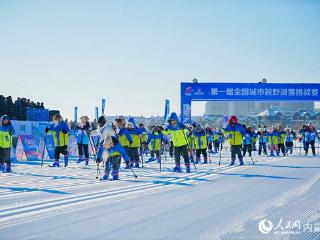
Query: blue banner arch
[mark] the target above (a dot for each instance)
(244, 92)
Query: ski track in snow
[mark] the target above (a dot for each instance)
(32, 192)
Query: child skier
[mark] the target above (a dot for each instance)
(235, 133)
(262, 139)
(144, 138)
(154, 142)
(191, 141)
(273, 141)
(123, 136)
(6, 133)
(179, 141)
(247, 142)
(134, 146)
(82, 131)
(201, 144)
(114, 151)
(289, 138)
(282, 139)
(216, 137)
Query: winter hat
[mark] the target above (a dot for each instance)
(234, 119)
(130, 125)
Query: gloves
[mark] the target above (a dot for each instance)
(64, 131)
(46, 130)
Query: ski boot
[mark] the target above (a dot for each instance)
(105, 176)
(136, 165)
(150, 160)
(127, 165)
(115, 175)
(80, 159)
(66, 160)
(8, 169)
(188, 167)
(87, 161)
(2, 168)
(241, 162)
(177, 168)
(232, 162)
(56, 163)
(205, 161)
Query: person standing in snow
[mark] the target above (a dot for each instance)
(235, 132)
(123, 135)
(273, 141)
(247, 141)
(60, 130)
(154, 141)
(179, 140)
(82, 131)
(144, 138)
(6, 133)
(114, 151)
(134, 146)
(289, 138)
(201, 143)
(282, 139)
(262, 139)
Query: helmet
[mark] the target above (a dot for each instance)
(102, 121)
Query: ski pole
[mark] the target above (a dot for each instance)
(133, 172)
(220, 154)
(98, 170)
(252, 160)
(160, 161)
(44, 148)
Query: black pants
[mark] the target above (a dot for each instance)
(63, 150)
(134, 154)
(83, 149)
(5, 156)
(157, 152)
(114, 163)
(201, 151)
(171, 149)
(143, 148)
(181, 151)
(311, 143)
(264, 147)
(282, 148)
(216, 145)
(236, 150)
(289, 147)
(247, 148)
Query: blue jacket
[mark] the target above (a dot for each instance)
(82, 134)
(116, 149)
(247, 138)
(136, 128)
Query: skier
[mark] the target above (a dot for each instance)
(179, 141)
(123, 135)
(262, 139)
(273, 141)
(6, 133)
(235, 133)
(290, 137)
(282, 139)
(144, 138)
(114, 151)
(191, 141)
(201, 143)
(82, 131)
(216, 136)
(312, 138)
(154, 142)
(60, 130)
(134, 146)
(247, 141)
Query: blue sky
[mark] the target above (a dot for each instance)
(135, 53)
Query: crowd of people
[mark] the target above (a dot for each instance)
(18, 110)
(193, 142)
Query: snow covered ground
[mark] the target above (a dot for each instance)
(213, 202)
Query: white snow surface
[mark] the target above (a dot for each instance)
(212, 202)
